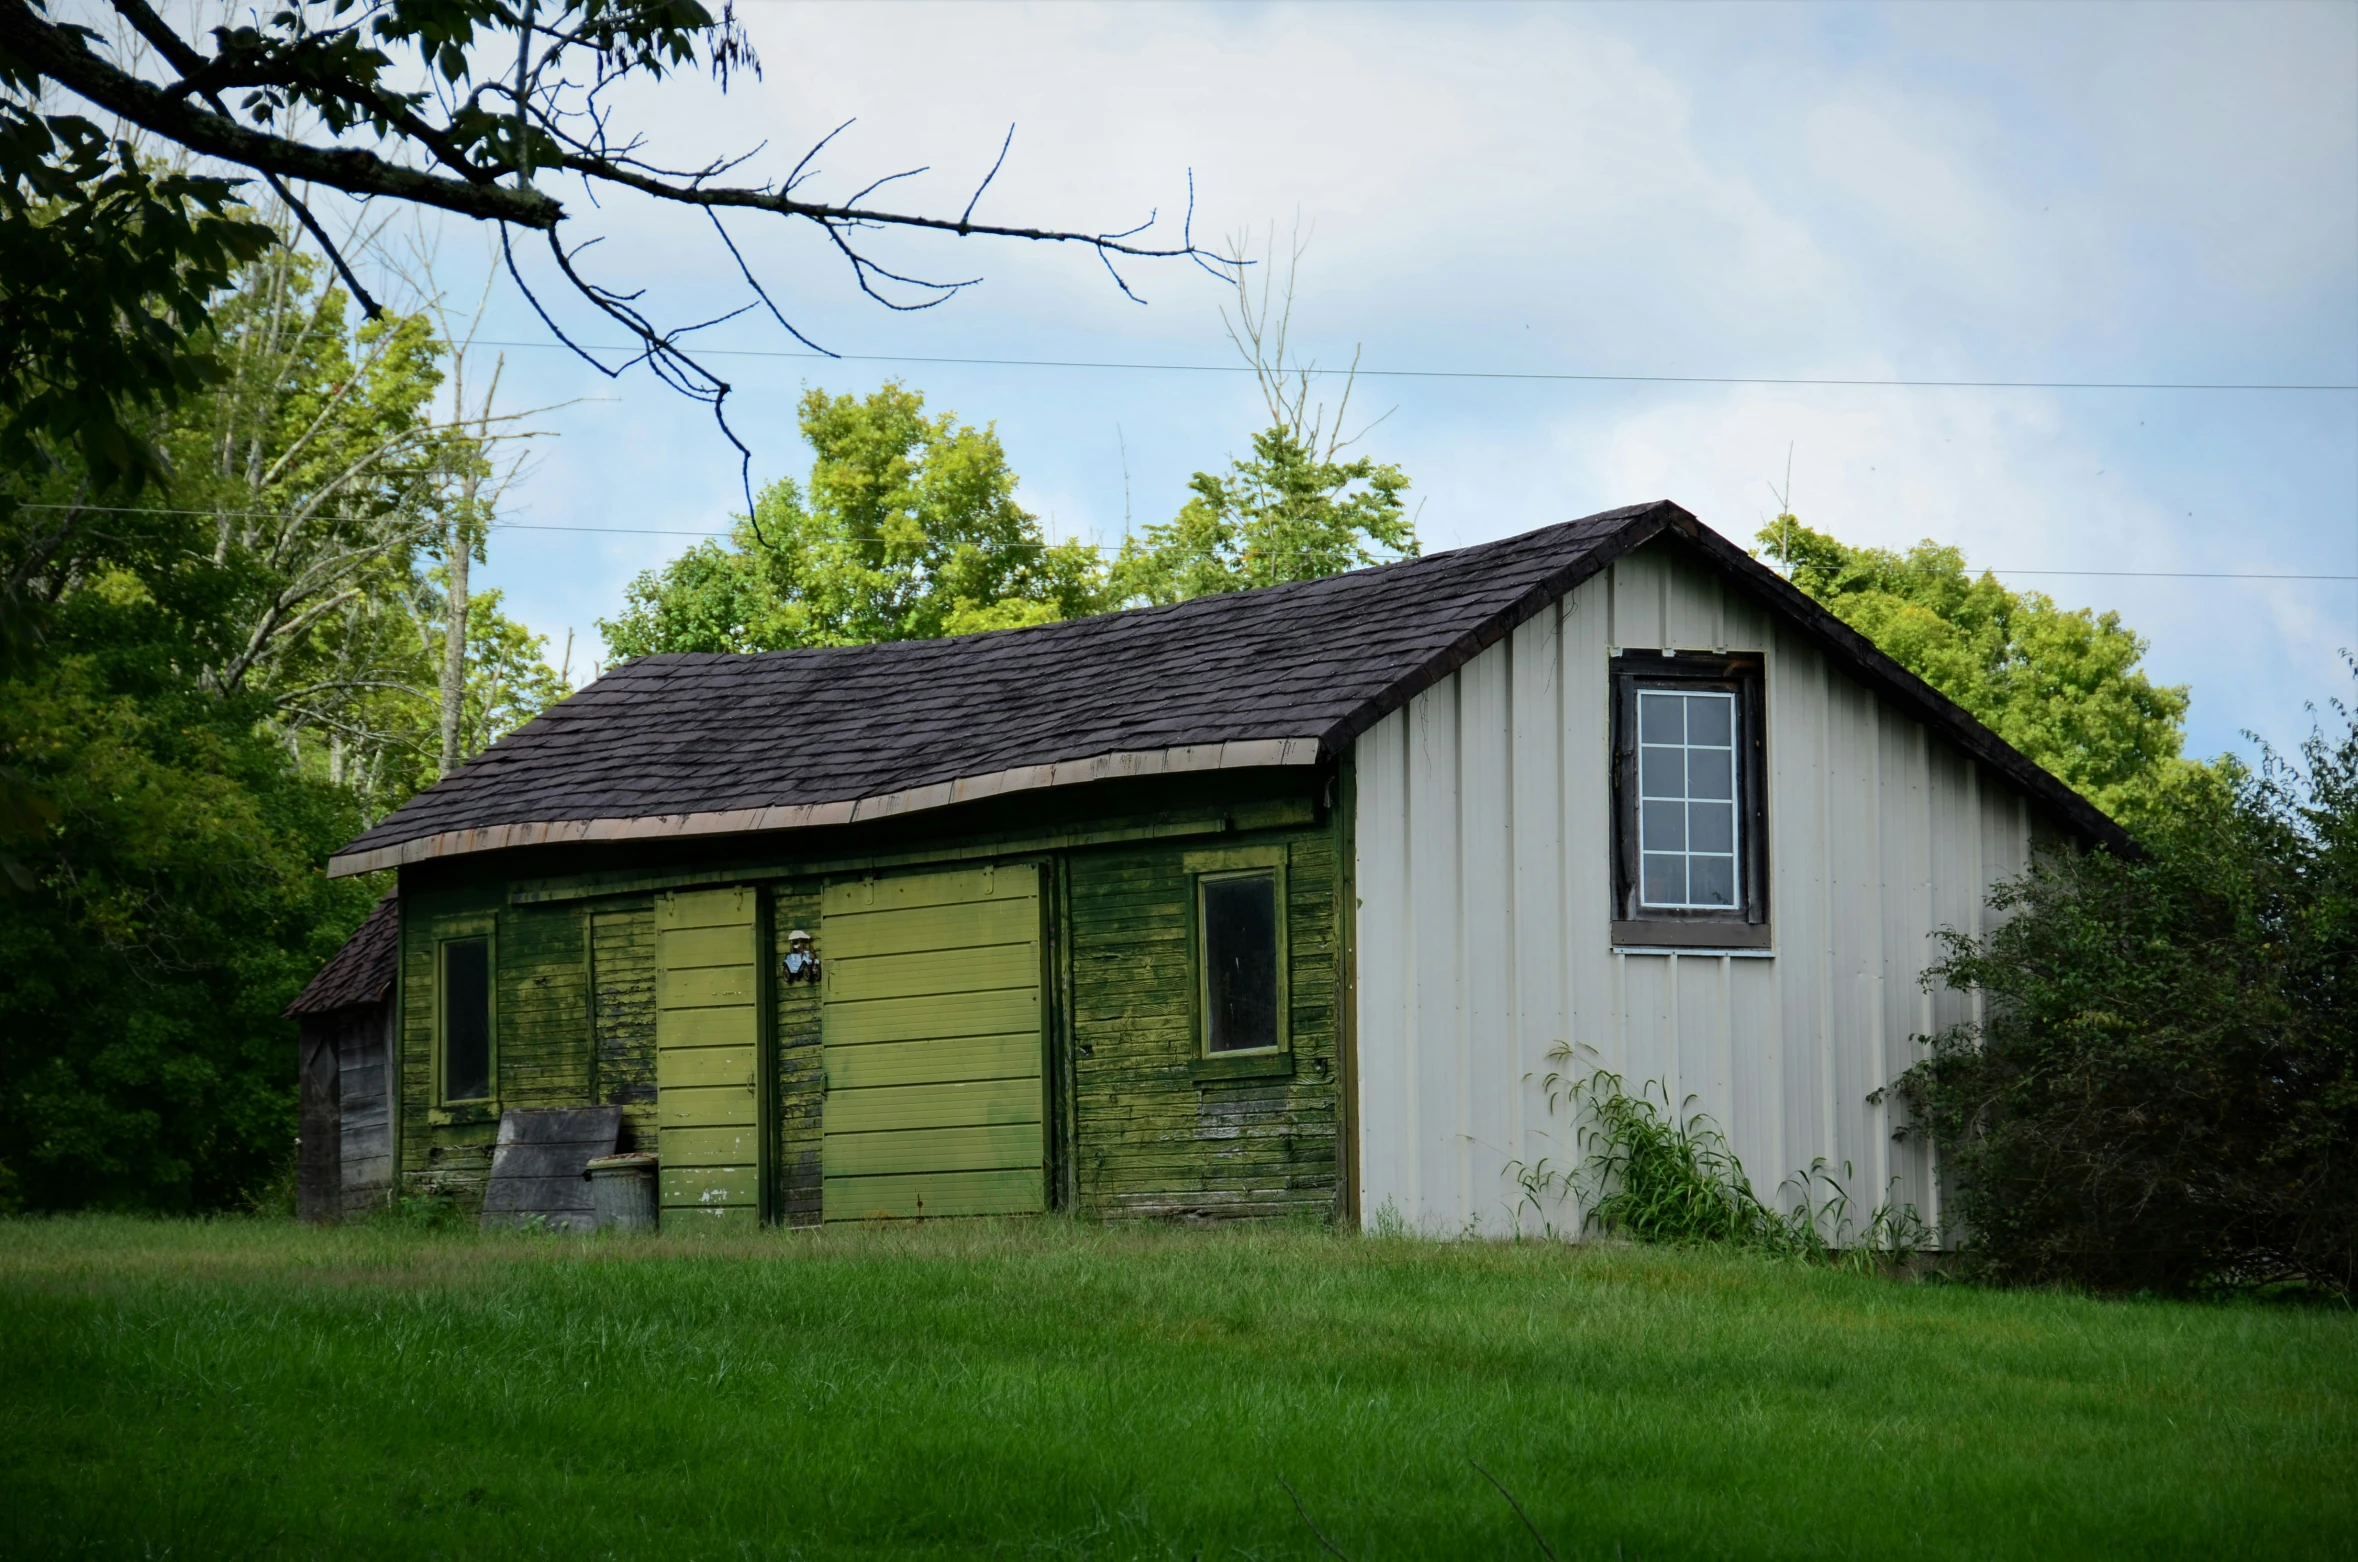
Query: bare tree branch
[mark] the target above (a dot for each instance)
(57, 53)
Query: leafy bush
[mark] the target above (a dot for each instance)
(2163, 1090)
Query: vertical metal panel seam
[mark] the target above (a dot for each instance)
(1458, 947)
(1879, 969)
(1780, 968)
(1824, 788)
(1512, 1084)
(1568, 986)
(1411, 1032)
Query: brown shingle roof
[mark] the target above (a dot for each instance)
(361, 972)
(695, 743)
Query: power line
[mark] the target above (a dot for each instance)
(2162, 574)
(713, 536)
(2117, 574)
(1499, 374)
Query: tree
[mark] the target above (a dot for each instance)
(1296, 509)
(468, 107)
(1283, 514)
(232, 677)
(2163, 1093)
(910, 530)
(2063, 686)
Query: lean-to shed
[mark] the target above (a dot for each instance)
(344, 1161)
(1271, 902)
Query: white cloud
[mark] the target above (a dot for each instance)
(2092, 193)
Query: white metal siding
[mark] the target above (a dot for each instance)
(1484, 877)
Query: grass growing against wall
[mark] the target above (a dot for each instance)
(253, 1389)
(1648, 1173)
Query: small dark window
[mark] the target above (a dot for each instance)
(466, 1019)
(1690, 809)
(1240, 962)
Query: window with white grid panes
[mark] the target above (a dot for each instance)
(1688, 821)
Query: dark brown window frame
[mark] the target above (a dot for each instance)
(467, 931)
(1221, 862)
(1745, 925)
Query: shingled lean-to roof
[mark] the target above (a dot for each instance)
(361, 972)
(700, 743)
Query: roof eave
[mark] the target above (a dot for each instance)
(1829, 633)
(1245, 754)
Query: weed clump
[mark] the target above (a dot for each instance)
(1649, 1173)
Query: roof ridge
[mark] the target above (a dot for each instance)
(712, 742)
(1207, 602)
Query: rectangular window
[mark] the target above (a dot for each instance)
(1687, 826)
(466, 1019)
(1238, 936)
(1690, 810)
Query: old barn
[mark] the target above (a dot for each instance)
(1260, 904)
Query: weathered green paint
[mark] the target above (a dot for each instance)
(622, 956)
(708, 979)
(798, 1091)
(950, 1057)
(926, 967)
(963, 848)
(1149, 1137)
(540, 1045)
(585, 990)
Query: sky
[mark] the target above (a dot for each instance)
(2123, 195)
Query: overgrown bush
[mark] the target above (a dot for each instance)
(2161, 1094)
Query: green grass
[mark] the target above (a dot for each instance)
(251, 1389)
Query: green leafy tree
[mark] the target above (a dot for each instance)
(508, 680)
(230, 676)
(1282, 514)
(2163, 1094)
(1297, 508)
(908, 530)
(2062, 685)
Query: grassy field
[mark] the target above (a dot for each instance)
(250, 1389)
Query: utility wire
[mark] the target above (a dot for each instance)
(2128, 574)
(1506, 374)
(713, 536)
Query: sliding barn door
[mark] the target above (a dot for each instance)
(932, 1033)
(708, 1055)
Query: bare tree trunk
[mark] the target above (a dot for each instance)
(454, 632)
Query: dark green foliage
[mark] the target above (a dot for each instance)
(2164, 1093)
(107, 267)
(177, 907)
(227, 669)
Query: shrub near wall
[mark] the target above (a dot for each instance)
(2164, 1091)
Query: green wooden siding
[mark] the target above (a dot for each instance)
(933, 1044)
(937, 1074)
(544, 1006)
(622, 965)
(797, 1178)
(541, 1049)
(1150, 1138)
(708, 972)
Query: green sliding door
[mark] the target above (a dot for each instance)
(708, 1055)
(932, 1032)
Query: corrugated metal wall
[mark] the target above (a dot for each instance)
(1484, 882)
